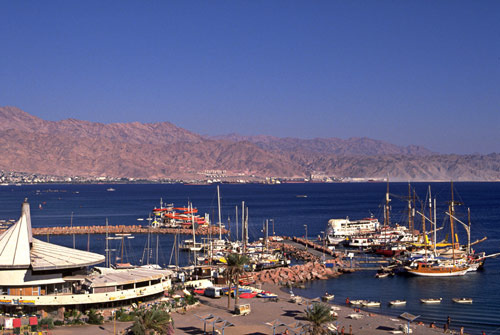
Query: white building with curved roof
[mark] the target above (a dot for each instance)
(37, 275)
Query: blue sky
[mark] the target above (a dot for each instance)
(407, 72)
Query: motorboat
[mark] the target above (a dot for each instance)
(397, 302)
(371, 304)
(462, 300)
(431, 300)
(267, 295)
(357, 302)
(248, 295)
(382, 274)
(327, 297)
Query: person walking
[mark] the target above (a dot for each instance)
(350, 329)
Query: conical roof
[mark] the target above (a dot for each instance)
(15, 242)
(18, 249)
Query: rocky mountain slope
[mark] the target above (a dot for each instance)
(163, 150)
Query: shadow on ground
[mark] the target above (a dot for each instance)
(193, 330)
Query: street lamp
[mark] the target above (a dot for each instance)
(305, 226)
(322, 232)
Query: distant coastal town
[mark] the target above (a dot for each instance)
(205, 177)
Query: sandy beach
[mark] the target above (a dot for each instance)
(264, 311)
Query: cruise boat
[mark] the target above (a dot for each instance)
(347, 228)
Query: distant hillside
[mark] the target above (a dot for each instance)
(163, 150)
(329, 146)
(135, 132)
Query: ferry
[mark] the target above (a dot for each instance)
(347, 228)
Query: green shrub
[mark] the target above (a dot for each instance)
(123, 316)
(95, 318)
(58, 323)
(190, 299)
(47, 321)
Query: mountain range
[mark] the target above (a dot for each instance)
(163, 150)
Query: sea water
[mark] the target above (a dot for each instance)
(291, 209)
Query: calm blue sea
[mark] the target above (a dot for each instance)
(92, 204)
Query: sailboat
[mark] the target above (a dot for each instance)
(219, 244)
(437, 267)
(191, 244)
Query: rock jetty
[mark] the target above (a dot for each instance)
(296, 274)
(132, 229)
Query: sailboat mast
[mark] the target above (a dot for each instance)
(149, 241)
(192, 223)
(123, 242)
(430, 204)
(236, 216)
(469, 251)
(107, 244)
(246, 228)
(423, 230)
(72, 230)
(194, 235)
(218, 205)
(157, 242)
(387, 200)
(452, 213)
(435, 226)
(410, 219)
(243, 225)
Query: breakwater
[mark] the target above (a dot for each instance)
(296, 274)
(123, 229)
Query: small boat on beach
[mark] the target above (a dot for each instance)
(397, 302)
(431, 300)
(248, 295)
(371, 304)
(327, 297)
(462, 300)
(267, 295)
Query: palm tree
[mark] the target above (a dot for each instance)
(235, 267)
(318, 315)
(152, 321)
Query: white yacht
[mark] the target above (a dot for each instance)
(346, 227)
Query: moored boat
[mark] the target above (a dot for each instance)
(431, 300)
(327, 297)
(462, 300)
(371, 304)
(397, 302)
(357, 302)
(426, 269)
